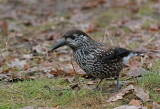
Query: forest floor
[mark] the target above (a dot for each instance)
(32, 77)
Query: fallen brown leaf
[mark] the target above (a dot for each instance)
(135, 72)
(130, 107)
(49, 107)
(158, 90)
(5, 28)
(56, 73)
(154, 28)
(89, 5)
(3, 77)
(28, 56)
(69, 78)
(18, 63)
(90, 83)
(135, 102)
(2, 61)
(156, 106)
(28, 107)
(92, 27)
(55, 107)
(140, 92)
(101, 1)
(119, 95)
(149, 106)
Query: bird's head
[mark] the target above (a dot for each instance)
(74, 39)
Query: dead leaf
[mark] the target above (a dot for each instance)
(158, 90)
(141, 93)
(3, 76)
(28, 107)
(135, 102)
(2, 61)
(49, 107)
(69, 78)
(101, 1)
(135, 72)
(89, 5)
(55, 107)
(27, 66)
(154, 28)
(56, 73)
(156, 106)
(48, 75)
(38, 49)
(5, 28)
(119, 95)
(92, 27)
(134, 63)
(28, 56)
(130, 107)
(18, 63)
(90, 83)
(149, 106)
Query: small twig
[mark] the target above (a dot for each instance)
(108, 36)
(73, 66)
(151, 39)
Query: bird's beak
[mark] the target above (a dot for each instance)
(59, 44)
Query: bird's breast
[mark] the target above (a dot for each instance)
(93, 65)
(85, 59)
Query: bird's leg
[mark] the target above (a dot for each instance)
(117, 86)
(97, 87)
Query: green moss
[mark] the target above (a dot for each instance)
(145, 10)
(35, 93)
(111, 15)
(39, 28)
(151, 81)
(133, 45)
(45, 26)
(2, 44)
(65, 15)
(147, 24)
(28, 93)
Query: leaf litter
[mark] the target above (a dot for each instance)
(31, 32)
(140, 93)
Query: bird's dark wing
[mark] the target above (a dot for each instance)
(118, 52)
(115, 54)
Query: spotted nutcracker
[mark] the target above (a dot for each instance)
(96, 58)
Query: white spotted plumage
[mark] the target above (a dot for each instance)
(95, 58)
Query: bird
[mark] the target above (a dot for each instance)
(97, 59)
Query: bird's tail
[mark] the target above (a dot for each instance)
(132, 54)
(139, 53)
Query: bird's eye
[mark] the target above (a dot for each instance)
(72, 37)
